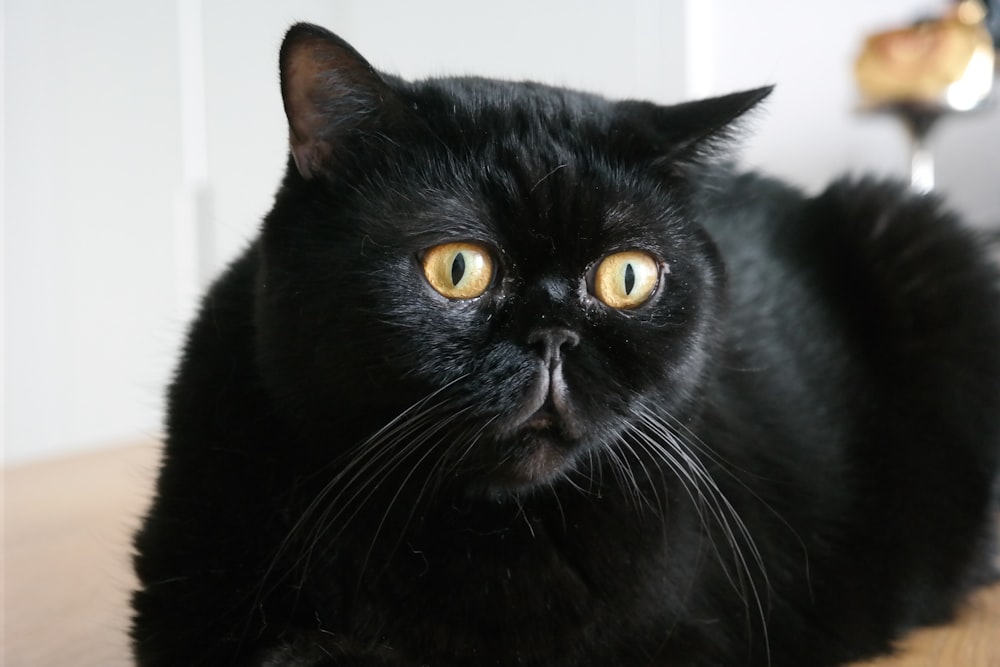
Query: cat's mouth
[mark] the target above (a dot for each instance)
(554, 417)
(548, 407)
(539, 442)
(543, 420)
(546, 416)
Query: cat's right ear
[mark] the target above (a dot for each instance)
(328, 90)
(687, 132)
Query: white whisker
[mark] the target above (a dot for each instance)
(377, 455)
(674, 447)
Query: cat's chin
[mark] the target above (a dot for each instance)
(540, 456)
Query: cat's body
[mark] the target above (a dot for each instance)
(783, 453)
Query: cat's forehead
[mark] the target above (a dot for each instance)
(536, 128)
(490, 100)
(573, 212)
(524, 167)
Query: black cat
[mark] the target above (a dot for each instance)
(516, 375)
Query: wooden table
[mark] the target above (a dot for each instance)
(67, 573)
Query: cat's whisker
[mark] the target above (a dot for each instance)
(308, 513)
(568, 479)
(629, 480)
(590, 468)
(340, 503)
(380, 452)
(680, 445)
(688, 481)
(440, 426)
(731, 470)
(362, 458)
(411, 442)
(703, 502)
(389, 507)
(434, 475)
(630, 441)
(721, 508)
(558, 502)
(656, 508)
(459, 460)
(621, 473)
(689, 438)
(449, 464)
(694, 472)
(522, 514)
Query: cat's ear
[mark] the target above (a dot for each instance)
(328, 90)
(689, 131)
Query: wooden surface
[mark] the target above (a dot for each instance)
(67, 572)
(67, 527)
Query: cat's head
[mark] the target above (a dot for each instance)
(498, 278)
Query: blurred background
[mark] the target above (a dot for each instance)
(143, 141)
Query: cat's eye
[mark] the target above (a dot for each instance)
(626, 279)
(458, 270)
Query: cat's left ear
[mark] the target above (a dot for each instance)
(689, 131)
(329, 91)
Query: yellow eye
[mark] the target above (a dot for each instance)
(626, 279)
(458, 270)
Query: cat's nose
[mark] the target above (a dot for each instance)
(551, 343)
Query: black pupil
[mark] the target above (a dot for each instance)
(458, 268)
(629, 279)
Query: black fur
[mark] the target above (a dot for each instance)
(784, 457)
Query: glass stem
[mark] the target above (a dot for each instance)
(919, 124)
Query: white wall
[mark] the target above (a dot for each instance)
(90, 148)
(810, 129)
(135, 168)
